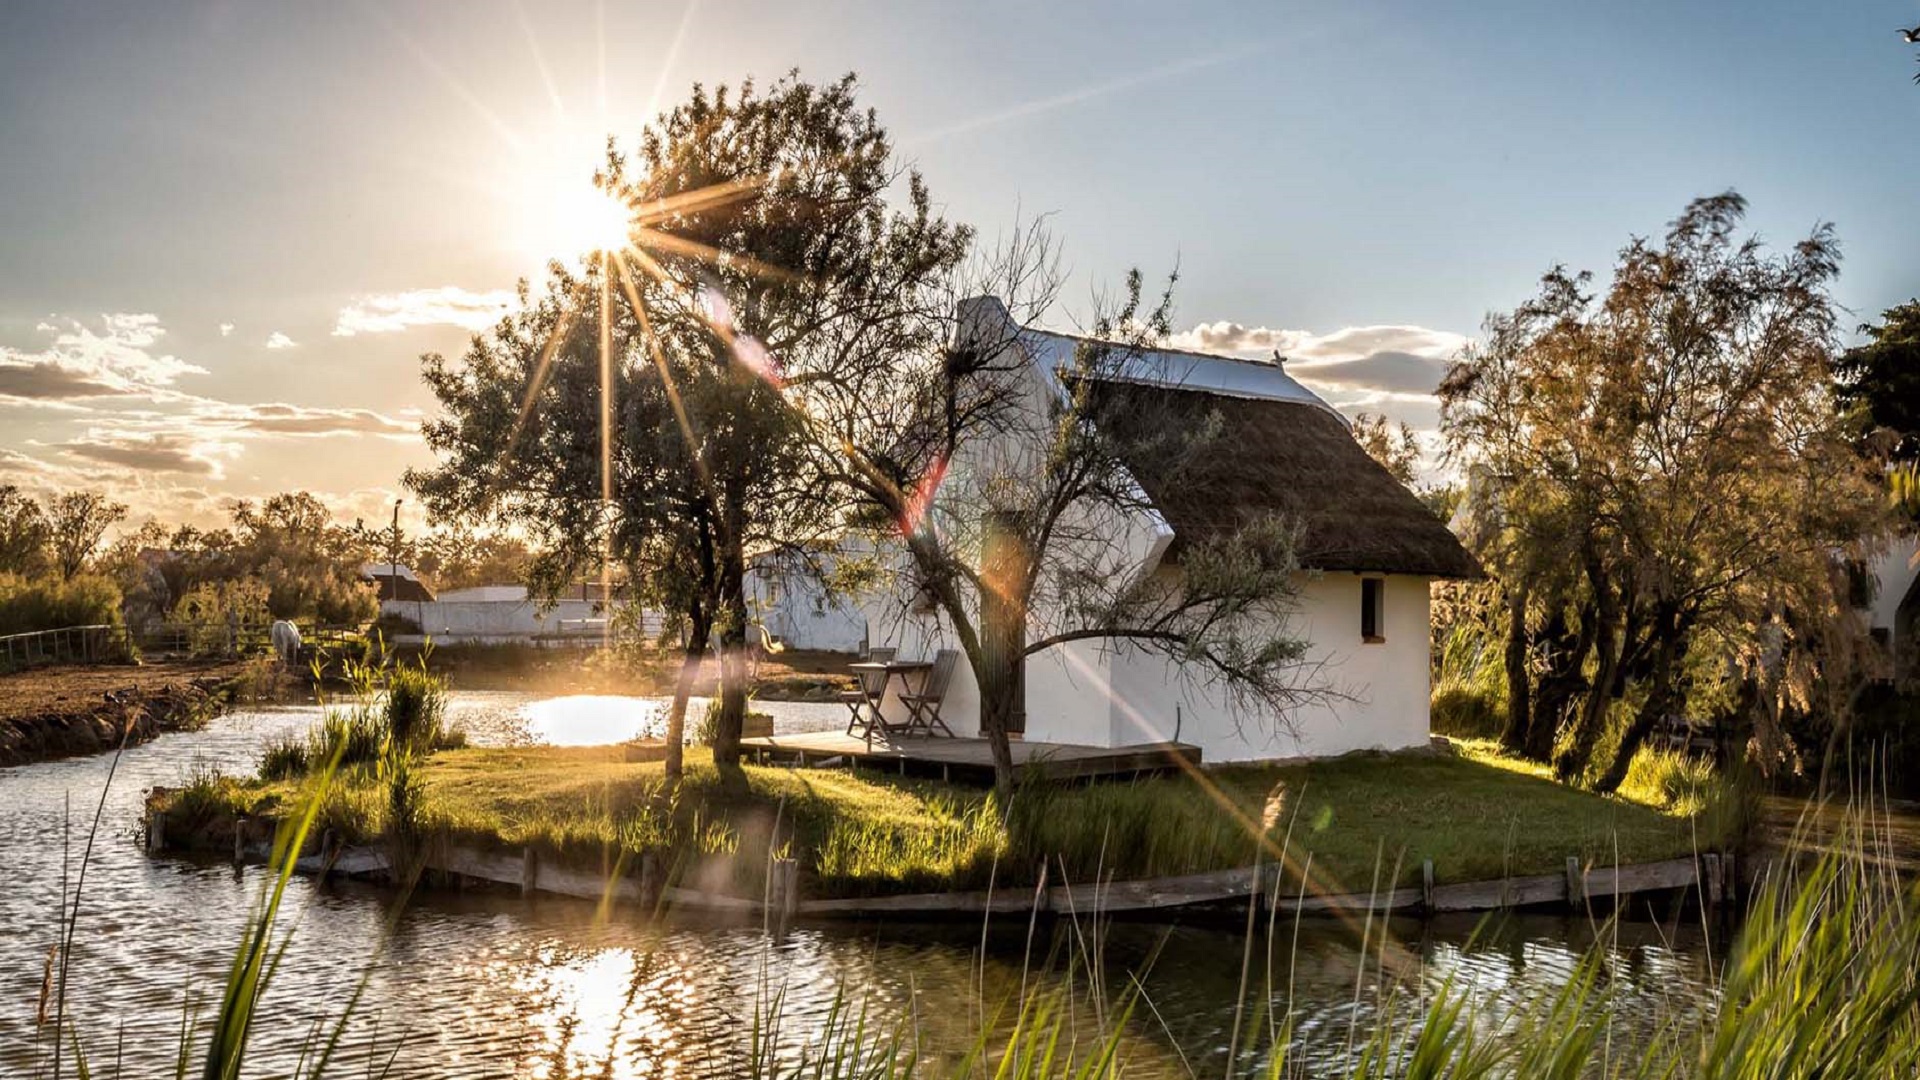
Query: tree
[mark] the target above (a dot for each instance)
(1021, 522)
(765, 260)
(1395, 447)
(309, 562)
(1656, 476)
(1878, 384)
(76, 522)
(23, 533)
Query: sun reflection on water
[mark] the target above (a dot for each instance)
(590, 719)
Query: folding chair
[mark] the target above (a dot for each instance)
(923, 708)
(873, 684)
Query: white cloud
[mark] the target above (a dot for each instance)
(226, 329)
(1392, 370)
(448, 305)
(278, 340)
(80, 362)
(167, 452)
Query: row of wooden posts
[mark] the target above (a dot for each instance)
(1711, 879)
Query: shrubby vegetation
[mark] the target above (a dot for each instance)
(48, 603)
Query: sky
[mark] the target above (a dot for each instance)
(229, 230)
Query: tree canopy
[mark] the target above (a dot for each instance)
(1658, 477)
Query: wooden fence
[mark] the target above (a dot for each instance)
(67, 645)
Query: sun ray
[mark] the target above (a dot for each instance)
(693, 249)
(452, 83)
(668, 386)
(539, 59)
(673, 56)
(606, 441)
(539, 380)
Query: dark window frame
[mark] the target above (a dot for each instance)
(1373, 610)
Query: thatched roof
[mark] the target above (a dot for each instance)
(1289, 457)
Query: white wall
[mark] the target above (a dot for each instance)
(1893, 572)
(796, 609)
(454, 622)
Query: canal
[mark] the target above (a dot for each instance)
(485, 985)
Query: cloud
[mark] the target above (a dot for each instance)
(226, 329)
(448, 305)
(279, 418)
(278, 340)
(79, 362)
(1385, 359)
(152, 451)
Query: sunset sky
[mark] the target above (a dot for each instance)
(228, 230)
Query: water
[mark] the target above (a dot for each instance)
(496, 986)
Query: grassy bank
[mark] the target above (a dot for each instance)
(1476, 816)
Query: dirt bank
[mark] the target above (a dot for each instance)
(63, 711)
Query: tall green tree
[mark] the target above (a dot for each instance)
(767, 258)
(23, 532)
(1878, 383)
(1658, 474)
(77, 521)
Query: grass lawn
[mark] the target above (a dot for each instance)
(1477, 816)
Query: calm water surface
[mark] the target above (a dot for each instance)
(495, 986)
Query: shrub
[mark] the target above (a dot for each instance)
(49, 604)
(416, 708)
(285, 757)
(1465, 712)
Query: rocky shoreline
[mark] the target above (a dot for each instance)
(97, 721)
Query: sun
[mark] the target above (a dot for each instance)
(584, 219)
(556, 211)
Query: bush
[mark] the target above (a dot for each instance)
(48, 604)
(284, 758)
(416, 709)
(1463, 712)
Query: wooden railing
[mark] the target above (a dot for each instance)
(67, 645)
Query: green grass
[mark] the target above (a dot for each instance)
(1476, 817)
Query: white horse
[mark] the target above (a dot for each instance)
(286, 641)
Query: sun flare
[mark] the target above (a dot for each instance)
(562, 215)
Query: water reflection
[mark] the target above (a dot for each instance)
(473, 985)
(592, 719)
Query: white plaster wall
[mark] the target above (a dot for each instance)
(482, 621)
(1893, 571)
(797, 610)
(1385, 684)
(1070, 694)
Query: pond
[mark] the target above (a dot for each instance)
(472, 985)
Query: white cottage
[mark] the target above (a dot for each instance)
(1369, 548)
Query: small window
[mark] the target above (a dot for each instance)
(1373, 612)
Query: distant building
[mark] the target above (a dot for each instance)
(507, 615)
(1893, 611)
(396, 582)
(798, 612)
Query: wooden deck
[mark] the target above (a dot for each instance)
(970, 759)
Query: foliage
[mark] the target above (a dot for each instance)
(1659, 482)
(24, 533)
(76, 522)
(765, 255)
(1878, 384)
(51, 604)
(1395, 447)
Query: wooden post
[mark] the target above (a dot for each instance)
(239, 840)
(326, 855)
(1576, 884)
(1710, 881)
(156, 832)
(529, 871)
(649, 883)
(784, 899)
(1426, 885)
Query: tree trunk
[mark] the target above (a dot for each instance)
(1592, 721)
(1003, 638)
(1516, 739)
(732, 627)
(1563, 680)
(1666, 694)
(696, 651)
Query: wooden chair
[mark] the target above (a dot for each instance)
(923, 708)
(867, 695)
